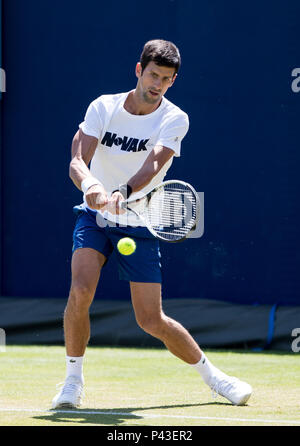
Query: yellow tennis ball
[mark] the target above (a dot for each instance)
(126, 246)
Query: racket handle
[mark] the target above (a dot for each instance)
(122, 204)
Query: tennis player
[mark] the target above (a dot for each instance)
(129, 141)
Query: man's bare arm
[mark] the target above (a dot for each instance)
(83, 149)
(156, 159)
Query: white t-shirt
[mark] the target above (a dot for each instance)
(125, 141)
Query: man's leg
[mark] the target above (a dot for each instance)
(147, 304)
(146, 300)
(86, 268)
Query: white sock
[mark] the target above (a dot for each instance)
(205, 368)
(75, 366)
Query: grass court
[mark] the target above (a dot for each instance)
(147, 387)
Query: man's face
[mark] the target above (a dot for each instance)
(154, 81)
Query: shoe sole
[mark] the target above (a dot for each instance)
(67, 406)
(244, 400)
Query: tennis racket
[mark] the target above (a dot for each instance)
(170, 210)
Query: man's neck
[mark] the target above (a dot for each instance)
(136, 106)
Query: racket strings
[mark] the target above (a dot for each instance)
(171, 211)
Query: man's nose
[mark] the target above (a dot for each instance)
(157, 84)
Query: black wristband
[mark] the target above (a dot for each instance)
(125, 190)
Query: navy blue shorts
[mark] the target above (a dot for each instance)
(141, 266)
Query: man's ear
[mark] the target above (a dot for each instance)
(173, 80)
(138, 70)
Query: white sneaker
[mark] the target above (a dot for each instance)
(236, 391)
(70, 395)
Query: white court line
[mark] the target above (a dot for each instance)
(88, 412)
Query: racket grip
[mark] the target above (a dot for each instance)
(122, 205)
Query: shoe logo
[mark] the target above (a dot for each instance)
(72, 360)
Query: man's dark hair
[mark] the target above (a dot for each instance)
(162, 52)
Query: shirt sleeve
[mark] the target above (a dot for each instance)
(92, 124)
(173, 132)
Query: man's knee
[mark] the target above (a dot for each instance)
(153, 324)
(80, 297)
